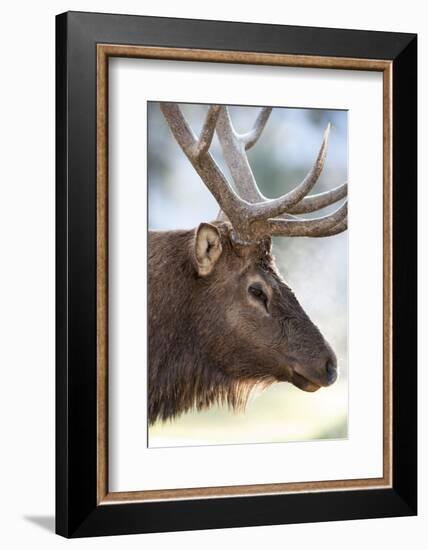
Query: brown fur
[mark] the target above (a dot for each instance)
(210, 340)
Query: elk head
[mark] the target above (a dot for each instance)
(252, 325)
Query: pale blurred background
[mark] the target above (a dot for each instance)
(316, 269)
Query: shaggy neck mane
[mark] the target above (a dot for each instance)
(205, 389)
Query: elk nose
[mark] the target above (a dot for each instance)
(331, 369)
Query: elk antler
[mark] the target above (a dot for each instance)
(252, 215)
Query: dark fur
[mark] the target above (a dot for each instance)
(208, 342)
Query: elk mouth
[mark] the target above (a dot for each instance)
(303, 383)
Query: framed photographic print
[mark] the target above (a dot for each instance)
(236, 274)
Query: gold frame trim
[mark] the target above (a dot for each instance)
(104, 51)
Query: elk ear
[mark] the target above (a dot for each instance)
(207, 248)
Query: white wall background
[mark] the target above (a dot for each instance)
(27, 272)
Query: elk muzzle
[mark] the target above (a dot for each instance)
(311, 375)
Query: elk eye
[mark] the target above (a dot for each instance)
(258, 293)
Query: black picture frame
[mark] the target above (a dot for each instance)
(77, 511)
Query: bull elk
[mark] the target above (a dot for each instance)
(221, 318)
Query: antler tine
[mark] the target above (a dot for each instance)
(197, 153)
(251, 137)
(316, 227)
(275, 207)
(321, 200)
(335, 230)
(208, 129)
(233, 146)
